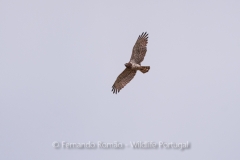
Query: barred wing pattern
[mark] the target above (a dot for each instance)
(123, 79)
(139, 49)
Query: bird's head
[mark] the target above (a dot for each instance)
(128, 65)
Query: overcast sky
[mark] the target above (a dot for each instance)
(59, 59)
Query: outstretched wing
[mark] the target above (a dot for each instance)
(139, 49)
(123, 79)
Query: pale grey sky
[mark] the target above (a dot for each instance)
(59, 59)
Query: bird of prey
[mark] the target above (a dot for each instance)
(138, 54)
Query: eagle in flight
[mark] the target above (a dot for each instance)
(138, 54)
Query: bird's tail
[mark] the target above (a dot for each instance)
(144, 69)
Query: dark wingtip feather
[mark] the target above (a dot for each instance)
(113, 89)
(143, 35)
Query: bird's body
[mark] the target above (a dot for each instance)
(138, 54)
(135, 66)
